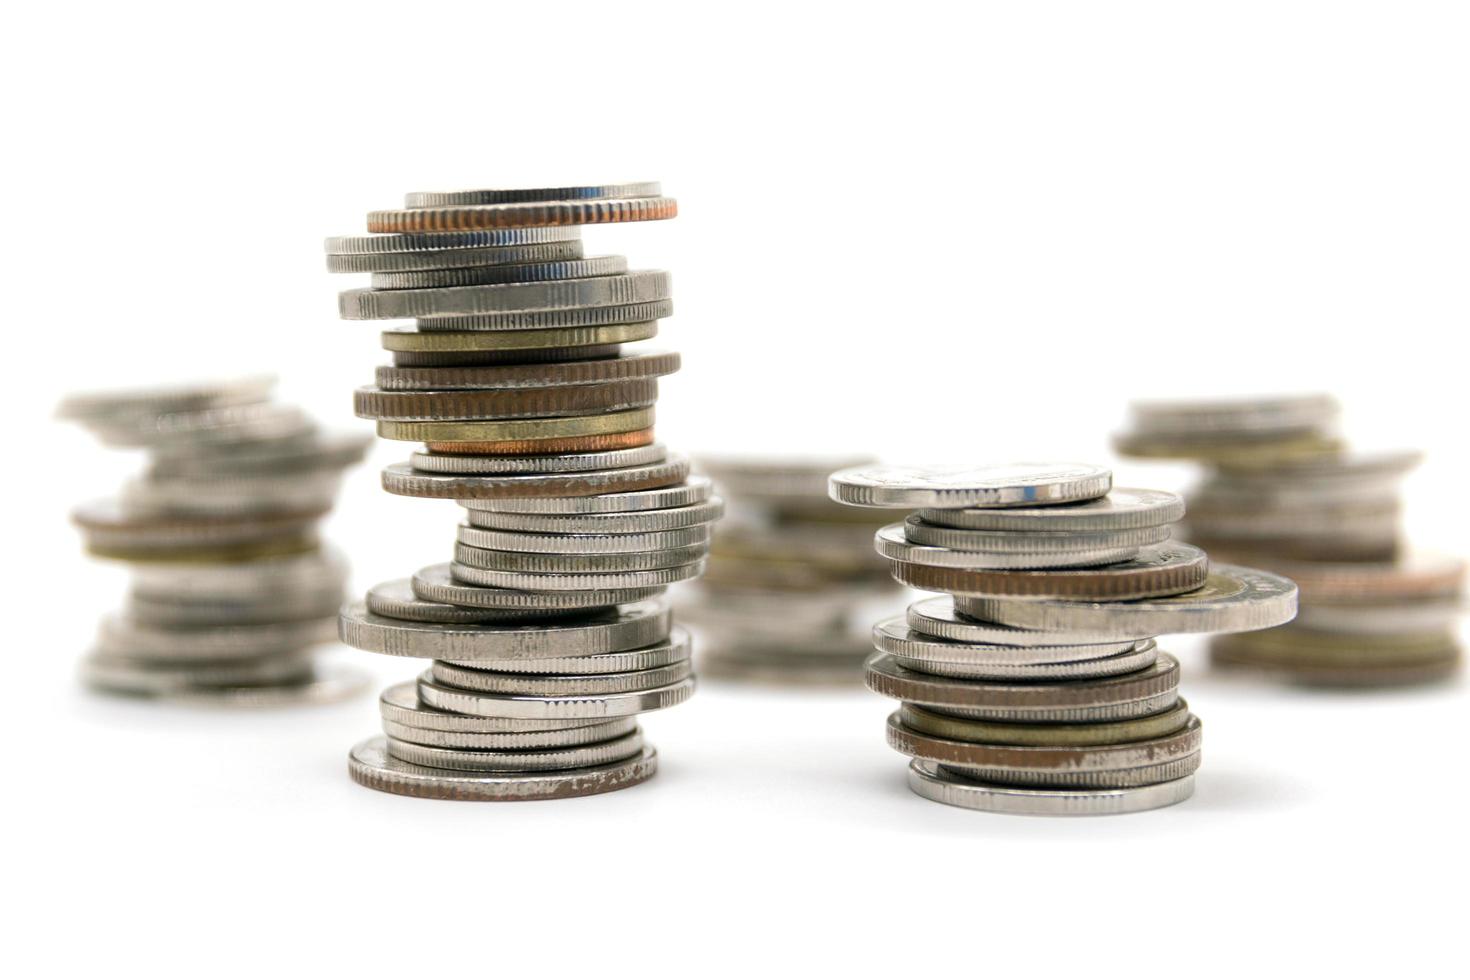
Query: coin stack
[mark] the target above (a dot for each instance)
(547, 631)
(792, 581)
(1284, 493)
(1035, 685)
(231, 589)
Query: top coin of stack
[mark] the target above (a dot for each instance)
(791, 576)
(1035, 685)
(231, 587)
(1303, 505)
(546, 630)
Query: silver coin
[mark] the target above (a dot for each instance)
(396, 600)
(1123, 508)
(527, 489)
(892, 543)
(1049, 765)
(400, 705)
(163, 400)
(193, 613)
(441, 240)
(662, 654)
(1246, 415)
(626, 561)
(1149, 775)
(558, 685)
(1123, 663)
(317, 451)
(937, 616)
(239, 581)
(437, 584)
(528, 581)
(518, 760)
(551, 739)
(569, 318)
(777, 479)
(918, 531)
(323, 685)
(1382, 618)
(626, 628)
(928, 781)
(134, 675)
(123, 637)
(898, 637)
(693, 490)
(615, 459)
(635, 522)
(491, 275)
(454, 258)
(553, 708)
(1233, 599)
(640, 286)
(531, 195)
(488, 358)
(1009, 485)
(583, 544)
(370, 765)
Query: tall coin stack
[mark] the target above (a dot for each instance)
(231, 588)
(792, 580)
(1034, 685)
(547, 631)
(1282, 492)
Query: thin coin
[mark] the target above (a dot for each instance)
(413, 406)
(491, 358)
(897, 636)
(370, 765)
(492, 238)
(625, 561)
(490, 275)
(643, 364)
(936, 616)
(552, 739)
(396, 600)
(918, 531)
(436, 584)
(1009, 485)
(523, 429)
(558, 708)
(400, 704)
(1134, 659)
(629, 288)
(539, 465)
(1162, 570)
(1122, 509)
(583, 544)
(523, 214)
(662, 654)
(635, 522)
(458, 342)
(927, 780)
(1176, 745)
(401, 478)
(683, 493)
(453, 258)
(578, 317)
(528, 581)
(576, 685)
(529, 447)
(892, 543)
(1148, 775)
(1003, 733)
(518, 760)
(531, 195)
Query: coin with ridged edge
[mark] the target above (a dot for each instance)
(1013, 733)
(518, 760)
(936, 616)
(893, 543)
(551, 739)
(400, 704)
(548, 708)
(665, 653)
(582, 544)
(897, 635)
(1029, 543)
(583, 583)
(1007, 485)
(624, 367)
(1146, 775)
(693, 490)
(494, 275)
(403, 479)
(396, 600)
(1176, 745)
(525, 447)
(511, 403)
(1134, 659)
(573, 426)
(576, 317)
(632, 522)
(531, 195)
(523, 214)
(1162, 570)
(614, 459)
(638, 286)
(469, 678)
(490, 358)
(370, 765)
(926, 780)
(623, 561)
(436, 584)
(463, 342)
(441, 241)
(1122, 509)
(454, 258)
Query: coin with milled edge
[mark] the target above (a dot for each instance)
(492, 342)
(531, 195)
(662, 654)
(893, 543)
(435, 242)
(548, 708)
(513, 356)
(104, 405)
(625, 561)
(396, 600)
(927, 781)
(1009, 733)
(518, 760)
(1134, 659)
(638, 286)
(523, 214)
(370, 765)
(584, 583)
(526, 447)
(400, 704)
(1176, 745)
(1289, 413)
(1038, 544)
(936, 616)
(511, 403)
(577, 317)
(550, 739)
(469, 678)
(624, 367)
(1146, 775)
(636, 522)
(582, 544)
(454, 258)
(1123, 508)
(491, 275)
(897, 636)
(436, 584)
(554, 428)
(1010, 485)
(615, 459)
(1162, 570)
(693, 490)
(401, 478)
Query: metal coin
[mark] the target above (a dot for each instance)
(531, 195)
(574, 426)
(624, 367)
(370, 765)
(124, 637)
(436, 584)
(568, 318)
(152, 678)
(928, 781)
(892, 543)
(639, 286)
(1026, 760)
(636, 522)
(625, 561)
(1227, 452)
(897, 636)
(396, 600)
(1380, 618)
(1034, 543)
(526, 447)
(1414, 577)
(492, 358)
(1148, 775)
(1002, 733)
(518, 760)
(583, 544)
(490, 275)
(665, 653)
(499, 341)
(1225, 652)
(323, 685)
(559, 685)
(485, 403)
(400, 705)
(489, 238)
(772, 479)
(693, 490)
(937, 616)
(583, 583)
(630, 482)
(615, 459)
(1290, 413)
(552, 739)
(1161, 570)
(1011, 485)
(104, 405)
(523, 214)
(1122, 509)
(552, 708)
(454, 258)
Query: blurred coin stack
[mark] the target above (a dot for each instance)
(1282, 492)
(547, 631)
(1035, 685)
(792, 582)
(231, 588)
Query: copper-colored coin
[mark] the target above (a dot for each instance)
(562, 427)
(886, 677)
(1081, 758)
(533, 447)
(527, 215)
(371, 402)
(1162, 570)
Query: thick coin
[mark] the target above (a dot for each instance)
(124, 637)
(319, 686)
(552, 708)
(518, 760)
(1134, 659)
(584, 545)
(634, 522)
(552, 739)
(174, 554)
(519, 342)
(1124, 508)
(1226, 652)
(1418, 576)
(490, 238)
(576, 317)
(937, 616)
(1287, 413)
(918, 531)
(1382, 618)
(625, 561)
(693, 490)
(1147, 775)
(525, 447)
(629, 288)
(1353, 467)
(523, 214)
(616, 459)
(777, 479)
(491, 275)
(662, 654)
(370, 765)
(897, 636)
(1003, 733)
(414, 406)
(436, 584)
(531, 195)
(559, 685)
(400, 705)
(893, 543)
(1058, 759)
(242, 581)
(584, 583)
(492, 358)
(927, 780)
(1311, 648)
(573, 426)
(1162, 570)
(625, 367)
(321, 450)
(189, 613)
(401, 478)
(1227, 452)
(454, 258)
(626, 628)
(1010, 485)
(396, 600)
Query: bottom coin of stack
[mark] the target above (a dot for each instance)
(1036, 686)
(792, 580)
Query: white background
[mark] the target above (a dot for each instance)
(956, 232)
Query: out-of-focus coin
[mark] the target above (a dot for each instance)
(1275, 413)
(1158, 571)
(1414, 577)
(1122, 509)
(135, 402)
(1010, 485)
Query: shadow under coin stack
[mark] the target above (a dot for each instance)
(1035, 685)
(231, 590)
(792, 582)
(1296, 501)
(548, 631)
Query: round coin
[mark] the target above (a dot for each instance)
(1003, 733)
(693, 490)
(370, 765)
(1158, 772)
(523, 214)
(893, 543)
(1010, 485)
(624, 367)
(485, 403)
(552, 708)
(524, 429)
(401, 478)
(559, 685)
(516, 344)
(624, 561)
(615, 459)
(436, 584)
(400, 705)
(1123, 508)
(1161, 570)
(665, 653)
(1061, 760)
(552, 739)
(638, 286)
(490, 275)
(490, 238)
(897, 636)
(927, 780)
(936, 616)
(575, 317)
(518, 760)
(396, 600)
(531, 195)
(454, 258)
(633, 522)
(582, 583)
(1036, 543)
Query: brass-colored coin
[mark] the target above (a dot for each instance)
(463, 341)
(1234, 452)
(518, 429)
(1162, 570)
(504, 403)
(218, 554)
(537, 214)
(1056, 758)
(1288, 645)
(537, 447)
(1020, 733)
(1226, 652)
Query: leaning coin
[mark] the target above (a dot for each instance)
(892, 543)
(1040, 543)
(489, 238)
(558, 708)
(518, 760)
(552, 739)
(1003, 733)
(615, 459)
(625, 561)
(454, 258)
(1059, 759)
(584, 583)
(436, 584)
(1123, 508)
(531, 195)
(370, 765)
(1011, 485)
(635, 522)
(1129, 661)
(558, 685)
(679, 492)
(1161, 570)
(401, 478)
(583, 544)
(396, 600)
(1233, 599)
(624, 367)
(665, 653)
(937, 616)
(928, 781)
(897, 636)
(492, 275)
(400, 705)
(371, 402)
(575, 317)
(523, 214)
(638, 286)
(624, 628)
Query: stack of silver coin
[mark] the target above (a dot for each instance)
(231, 588)
(1034, 685)
(792, 582)
(1282, 491)
(548, 631)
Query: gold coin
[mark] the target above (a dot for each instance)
(497, 431)
(457, 341)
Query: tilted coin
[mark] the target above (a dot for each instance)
(897, 636)
(1131, 776)
(635, 522)
(550, 739)
(937, 616)
(927, 780)
(453, 258)
(490, 275)
(162, 400)
(583, 544)
(467, 678)
(400, 704)
(624, 628)
(1232, 599)
(572, 444)
(489, 238)
(1122, 509)
(892, 543)
(436, 584)
(1008, 733)
(915, 530)
(523, 214)
(582, 583)
(573, 426)
(642, 364)
(575, 317)
(485, 403)
(396, 600)
(1009, 485)
(401, 478)
(518, 760)
(488, 342)
(1134, 659)
(680, 492)
(585, 192)
(1161, 570)
(614, 459)
(639, 286)
(624, 561)
(558, 708)
(1062, 759)
(370, 765)
(665, 653)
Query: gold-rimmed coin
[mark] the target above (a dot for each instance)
(518, 429)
